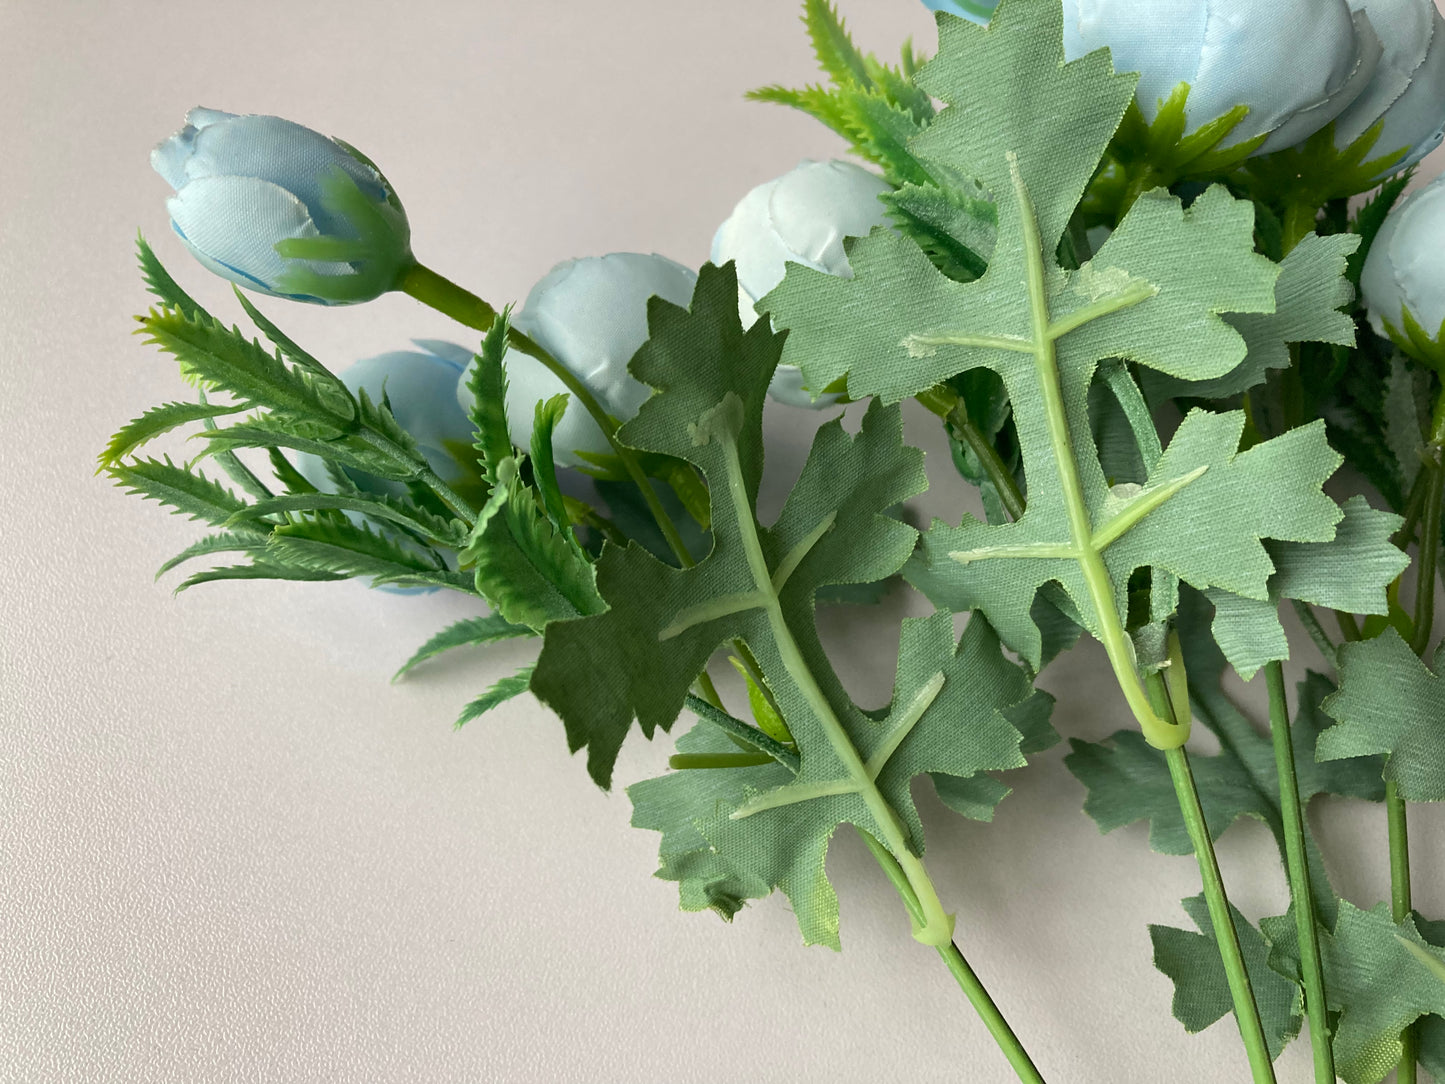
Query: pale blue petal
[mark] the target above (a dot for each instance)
(457, 356)
(1417, 119)
(1404, 29)
(232, 225)
(1406, 265)
(1280, 58)
(591, 315)
(286, 154)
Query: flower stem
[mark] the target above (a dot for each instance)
(958, 966)
(1246, 1011)
(1400, 906)
(1306, 928)
(467, 308)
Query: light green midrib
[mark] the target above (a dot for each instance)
(937, 926)
(1100, 585)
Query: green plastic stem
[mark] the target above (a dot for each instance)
(465, 307)
(1246, 1011)
(958, 966)
(1297, 863)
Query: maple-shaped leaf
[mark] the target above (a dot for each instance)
(1128, 781)
(1377, 981)
(757, 586)
(1033, 129)
(1349, 573)
(1201, 987)
(738, 833)
(1389, 702)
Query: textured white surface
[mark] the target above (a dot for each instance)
(231, 851)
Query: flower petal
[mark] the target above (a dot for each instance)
(232, 224)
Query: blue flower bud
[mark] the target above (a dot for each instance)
(975, 11)
(1403, 284)
(1407, 92)
(283, 210)
(1297, 64)
(800, 217)
(591, 315)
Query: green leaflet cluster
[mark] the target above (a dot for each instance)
(734, 834)
(1032, 129)
(1128, 782)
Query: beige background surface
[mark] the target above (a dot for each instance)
(231, 851)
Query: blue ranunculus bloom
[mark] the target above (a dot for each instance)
(1407, 93)
(977, 11)
(1405, 271)
(1297, 64)
(283, 210)
(591, 315)
(801, 217)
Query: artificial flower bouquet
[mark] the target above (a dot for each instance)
(1117, 249)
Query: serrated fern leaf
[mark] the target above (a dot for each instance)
(157, 421)
(340, 546)
(513, 685)
(393, 510)
(159, 282)
(260, 570)
(283, 431)
(183, 491)
(223, 359)
(488, 385)
(252, 542)
(487, 629)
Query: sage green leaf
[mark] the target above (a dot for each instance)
(508, 688)
(1349, 573)
(758, 586)
(1128, 781)
(1032, 129)
(1201, 987)
(765, 828)
(1389, 702)
(485, 629)
(1378, 985)
(1311, 296)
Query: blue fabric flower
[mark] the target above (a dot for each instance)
(1405, 271)
(800, 217)
(1407, 92)
(591, 315)
(282, 210)
(1297, 64)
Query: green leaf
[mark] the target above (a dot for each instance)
(837, 55)
(223, 359)
(389, 509)
(1390, 703)
(156, 421)
(1349, 573)
(530, 570)
(185, 492)
(1379, 987)
(758, 585)
(1310, 296)
(285, 431)
(513, 685)
(486, 629)
(488, 385)
(1033, 129)
(544, 470)
(261, 570)
(285, 344)
(159, 282)
(955, 228)
(1128, 781)
(249, 541)
(1201, 987)
(345, 548)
